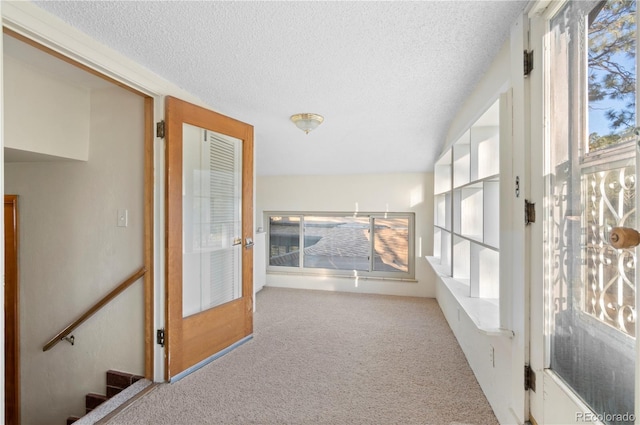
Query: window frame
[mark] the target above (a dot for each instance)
(370, 274)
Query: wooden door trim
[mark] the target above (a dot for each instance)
(70, 61)
(149, 331)
(176, 359)
(12, 314)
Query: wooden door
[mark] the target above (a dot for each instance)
(209, 187)
(11, 312)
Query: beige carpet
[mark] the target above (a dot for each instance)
(329, 358)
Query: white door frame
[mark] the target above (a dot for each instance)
(553, 402)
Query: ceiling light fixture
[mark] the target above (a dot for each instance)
(307, 122)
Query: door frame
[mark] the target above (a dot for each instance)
(148, 182)
(552, 399)
(12, 313)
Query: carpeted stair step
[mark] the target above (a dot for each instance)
(118, 381)
(119, 401)
(118, 387)
(92, 400)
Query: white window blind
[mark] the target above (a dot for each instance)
(224, 206)
(212, 220)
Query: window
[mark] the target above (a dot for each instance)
(609, 283)
(591, 188)
(362, 244)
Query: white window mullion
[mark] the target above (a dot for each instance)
(301, 246)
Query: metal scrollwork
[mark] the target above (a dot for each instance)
(610, 273)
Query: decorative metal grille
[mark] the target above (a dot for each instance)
(610, 273)
(559, 248)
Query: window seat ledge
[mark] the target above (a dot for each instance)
(342, 276)
(483, 312)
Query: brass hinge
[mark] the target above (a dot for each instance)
(529, 212)
(160, 337)
(528, 62)
(160, 129)
(529, 379)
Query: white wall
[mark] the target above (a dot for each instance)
(72, 253)
(35, 120)
(372, 193)
(489, 356)
(494, 82)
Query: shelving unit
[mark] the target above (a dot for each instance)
(443, 213)
(467, 213)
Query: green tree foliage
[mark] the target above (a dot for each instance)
(598, 142)
(611, 61)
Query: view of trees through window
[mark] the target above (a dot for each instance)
(612, 73)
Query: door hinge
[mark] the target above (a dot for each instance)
(160, 129)
(529, 212)
(160, 337)
(529, 379)
(528, 62)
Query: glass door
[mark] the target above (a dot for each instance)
(590, 187)
(209, 235)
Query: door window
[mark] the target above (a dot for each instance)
(591, 188)
(212, 203)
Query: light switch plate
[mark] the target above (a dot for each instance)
(123, 218)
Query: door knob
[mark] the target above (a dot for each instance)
(624, 237)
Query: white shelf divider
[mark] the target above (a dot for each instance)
(491, 213)
(456, 213)
(448, 211)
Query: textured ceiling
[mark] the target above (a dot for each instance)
(387, 76)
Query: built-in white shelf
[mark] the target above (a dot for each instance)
(485, 272)
(471, 211)
(442, 250)
(461, 257)
(442, 174)
(484, 312)
(442, 213)
(485, 146)
(491, 212)
(462, 161)
(467, 208)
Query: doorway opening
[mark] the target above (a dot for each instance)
(79, 153)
